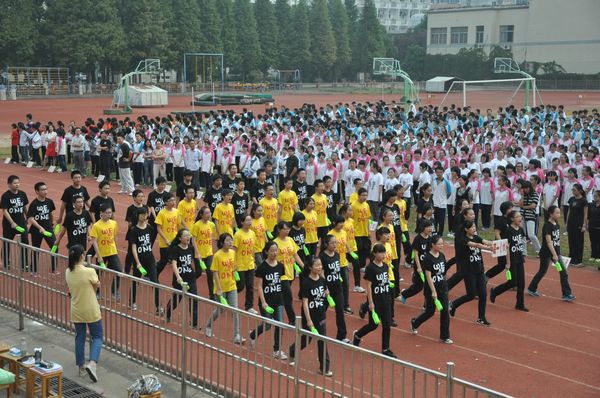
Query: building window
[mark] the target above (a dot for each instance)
(507, 33)
(438, 35)
(479, 34)
(458, 35)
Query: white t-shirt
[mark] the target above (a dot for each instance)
(373, 185)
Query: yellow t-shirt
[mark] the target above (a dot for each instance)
(288, 202)
(187, 211)
(287, 249)
(224, 214)
(244, 243)
(204, 233)
(169, 222)
(392, 240)
(84, 304)
(341, 249)
(321, 209)
(361, 213)
(353, 197)
(224, 264)
(349, 228)
(259, 226)
(270, 207)
(310, 227)
(402, 206)
(388, 260)
(105, 234)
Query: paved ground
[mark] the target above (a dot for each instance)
(115, 373)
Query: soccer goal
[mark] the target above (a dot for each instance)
(288, 79)
(204, 71)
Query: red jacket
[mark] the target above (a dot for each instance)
(14, 138)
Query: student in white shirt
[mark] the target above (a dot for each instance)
(375, 189)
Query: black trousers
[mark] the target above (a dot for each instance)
(545, 262)
(518, 279)
(36, 241)
(565, 212)
(178, 175)
(496, 269)
(497, 220)
(595, 242)
(475, 284)
(407, 247)
(455, 279)
(9, 233)
(105, 164)
(340, 321)
(164, 258)
(169, 171)
(407, 212)
(363, 244)
(247, 282)
(321, 326)
(152, 275)
(138, 172)
(14, 154)
(439, 217)
(346, 282)
(576, 241)
(277, 316)
(384, 311)
(209, 276)
(114, 263)
(288, 301)
(450, 213)
(192, 304)
(442, 295)
(486, 215)
(415, 287)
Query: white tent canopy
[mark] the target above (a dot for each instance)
(440, 84)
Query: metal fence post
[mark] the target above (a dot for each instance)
(298, 331)
(184, 311)
(21, 254)
(450, 380)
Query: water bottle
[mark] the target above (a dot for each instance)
(23, 346)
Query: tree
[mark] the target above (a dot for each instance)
(18, 30)
(283, 13)
(211, 27)
(322, 41)
(414, 62)
(231, 57)
(339, 20)
(370, 40)
(298, 33)
(191, 38)
(247, 37)
(268, 34)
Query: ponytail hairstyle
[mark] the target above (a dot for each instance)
(279, 226)
(75, 253)
(253, 209)
(381, 231)
(383, 213)
(221, 240)
(579, 188)
(337, 219)
(425, 187)
(343, 209)
(512, 215)
(467, 225)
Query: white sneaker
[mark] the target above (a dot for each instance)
(252, 342)
(91, 371)
(253, 311)
(359, 289)
(280, 355)
(239, 340)
(208, 332)
(82, 371)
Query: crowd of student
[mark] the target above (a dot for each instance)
(302, 193)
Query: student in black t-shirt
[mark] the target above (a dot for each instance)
(105, 148)
(379, 299)
(420, 246)
(500, 227)
(40, 217)
(156, 201)
(301, 188)
(333, 277)
(138, 203)
(102, 200)
(594, 227)
(70, 193)
(214, 194)
(260, 186)
(468, 214)
(181, 259)
(577, 220)
(435, 268)
(14, 207)
(240, 202)
(76, 225)
(140, 249)
(550, 255)
(517, 241)
(268, 283)
(314, 312)
(330, 195)
(474, 276)
(229, 179)
(298, 235)
(187, 183)
(389, 203)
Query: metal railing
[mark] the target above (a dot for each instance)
(173, 342)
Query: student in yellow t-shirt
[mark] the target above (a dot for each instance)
(343, 249)
(259, 226)
(361, 214)
(167, 226)
(244, 241)
(321, 209)
(270, 206)
(187, 208)
(401, 202)
(287, 255)
(346, 212)
(310, 226)
(358, 184)
(204, 232)
(104, 238)
(288, 201)
(223, 267)
(225, 214)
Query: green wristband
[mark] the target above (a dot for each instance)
(54, 249)
(422, 275)
(297, 268)
(269, 310)
(143, 271)
(236, 276)
(202, 265)
(223, 301)
(306, 251)
(392, 284)
(354, 255)
(19, 229)
(330, 301)
(57, 229)
(47, 234)
(269, 235)
(314, 330)
(375, 317)
(508, 275)
(438, 305)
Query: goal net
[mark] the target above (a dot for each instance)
(519, 92)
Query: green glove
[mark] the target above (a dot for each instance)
(57, 229)
(330, 301)
(236, 276)
(558, 266)
(269, 310)
(102, 264)
(422, 275)
(375, 317)
(438, 305)
(403, 238)
(202, 265)
(392, 266)
(327, 222)
(354, 255)
(297, 268)
(314, 330)
(341, 280)
(269, 235)
(143, 271)
(236, 229)
(54, 249)
(223, 301)
(508, 275)
(306, 251)
(412, 256)
(392, 284)
(184, 285)
(47, 234)
(19, 229)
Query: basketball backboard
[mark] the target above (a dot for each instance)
(506, 65)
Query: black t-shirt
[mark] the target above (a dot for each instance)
(331, 269)
(516, 244)
(271, 278)
(314, 291)
(258, 191)
(421, 203)
(554, 231)
(182, 188)
(142, 239)
(124, 160)
(330, 204)
(15, 204)
(474, 260)
(213, 197)
(157, 201)
(106, 143)
(98, 202)
(593, 216)
(298, 235)
(41, 211)
(380, 283)
(291, 163)
(270, 179)
(421, 245)
(576, 206)
(130, 215)
(70, 193)
(302, 192)
(185, 263)
(396, 212)
(240, 204)
(437, 267)
(229, 183)
(77, 227)
(421, 220)
(502, 226)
